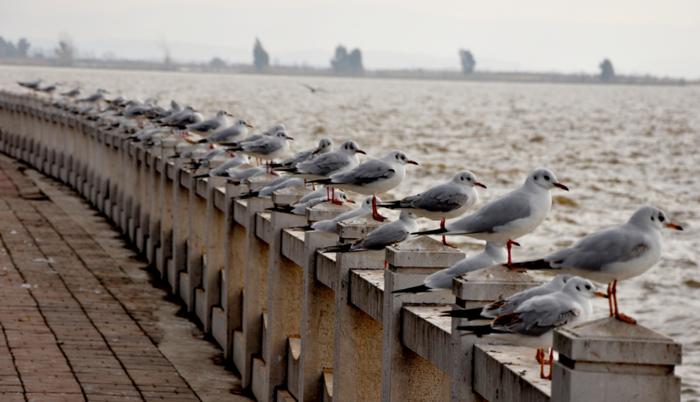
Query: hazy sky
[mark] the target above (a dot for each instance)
(640, 36)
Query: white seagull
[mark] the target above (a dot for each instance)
(372, 177)
(533, 321)
(613, 254)
(511, 216)
(444, 201)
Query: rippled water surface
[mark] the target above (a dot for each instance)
(617, 147)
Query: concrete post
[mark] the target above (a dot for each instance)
(608, 361)
(472, 290)
(405, 375)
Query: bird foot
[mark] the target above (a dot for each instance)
(625, 318)
(378, 217)
(444, 242)
(336, 201)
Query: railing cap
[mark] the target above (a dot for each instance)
(608, 340)
(422, 252)
(493, 283)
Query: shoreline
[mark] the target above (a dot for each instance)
(409, 74)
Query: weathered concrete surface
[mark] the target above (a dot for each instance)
(79, 319)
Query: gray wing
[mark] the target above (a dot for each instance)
(538, 315)
(383, 236)
(597, 250)
(368, 172)
(225, 134)
(511, 207)
(297, 159)
(204, 125)
(262, 147)
(442, 198)
(324, 165)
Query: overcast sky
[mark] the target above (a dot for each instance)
(640, 36)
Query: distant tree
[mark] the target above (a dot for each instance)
(607, 72)
(347, 63)
(23, 47)
(7, 49)
(261, 60)
(468, 61)
(217, 62)
(65, 52)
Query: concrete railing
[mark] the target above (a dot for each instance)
(303, 325)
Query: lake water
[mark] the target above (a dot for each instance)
(617, 147)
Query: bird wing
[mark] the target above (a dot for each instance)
(383, 236)
(205, 125)
(368, 172)
(262, 147)
(538, 315)
(500, 212)
(600, 249)
(324, 165)
(439, 199)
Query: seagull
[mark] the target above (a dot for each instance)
(183, 118)
(617, 253)
(325, 145)
(299, 208)
(270, 147)
(372, 177)
(48, 88)
(72, 93)
(329, 163)
(500, 307)
(511, 216)
(95, 97)
(211, 125)
(277, 184)
(311, 89)
(237, 145)
(493, 254)
(227, 134)
(220, 170)
(535, 319)
(330, 225)
(238, 175)
(385, 235)
(444, 201)
(30, 84)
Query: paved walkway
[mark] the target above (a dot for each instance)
(79, 320)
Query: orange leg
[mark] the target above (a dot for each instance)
(610, 300)
(375, 214)
(444, 238)
(618, 315)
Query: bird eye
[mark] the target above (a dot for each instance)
(578, 288)
(588, 287)
(661, 217)
(546, 177)
(652, 218)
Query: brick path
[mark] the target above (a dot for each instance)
(78, 319)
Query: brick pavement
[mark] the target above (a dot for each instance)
(78, 319)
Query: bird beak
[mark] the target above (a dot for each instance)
(359, 151)
(561, 186)
(248, 124)
(480, 184)
(674, 226)
(601, 294)
(514, 243)
(350, 201)
(412, 162)
(289, 138)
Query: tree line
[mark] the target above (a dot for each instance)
(343, 62)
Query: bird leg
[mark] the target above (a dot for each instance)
(551, 364)
(610, 300)
(333, 199)
(375, 214)
(509, 247)
(618, 315)
(444, 238)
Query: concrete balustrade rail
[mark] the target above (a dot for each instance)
(303, 325)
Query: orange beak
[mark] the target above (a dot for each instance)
(674, 226)
(480, 184)
(561, 186)
(601, 294)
